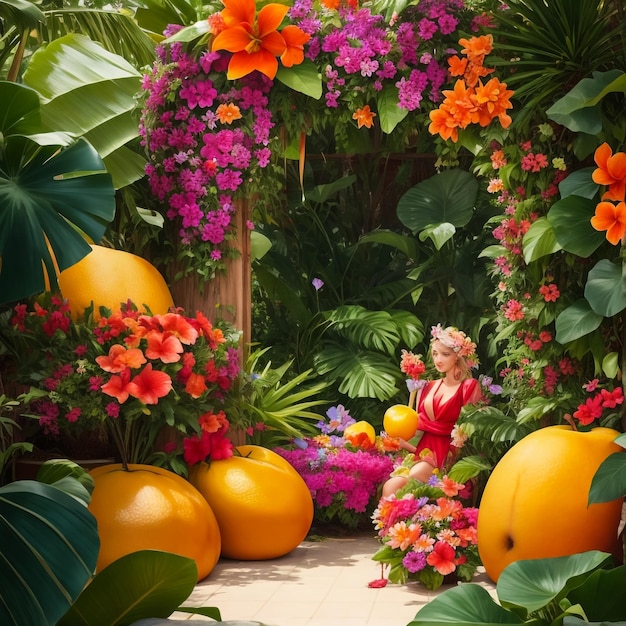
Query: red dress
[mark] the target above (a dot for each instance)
(436, 437)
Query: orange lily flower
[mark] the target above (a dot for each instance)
(178, 326)
(364, 116)
(253, 38)
(493, 99)
(612, 218)
(117, 386)
(611, 172)
(295, 38)
(457, 66)
(476, 48)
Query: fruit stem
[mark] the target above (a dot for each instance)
(570, 420)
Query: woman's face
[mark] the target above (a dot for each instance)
(444, 358)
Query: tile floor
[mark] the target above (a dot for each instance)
(320, 583)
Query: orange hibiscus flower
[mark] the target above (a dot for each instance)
(611, 172)
(612, 218)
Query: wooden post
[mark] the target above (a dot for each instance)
(229, 295)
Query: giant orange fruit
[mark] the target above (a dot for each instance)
(400, 420)
(151, 508)
(263, 507)
(110, 277)
(534, 505)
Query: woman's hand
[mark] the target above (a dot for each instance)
(405, 445)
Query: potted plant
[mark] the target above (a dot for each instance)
(128, 374)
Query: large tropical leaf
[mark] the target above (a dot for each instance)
(605, 288)
(539, 241)
(576, 321)
(602, 596)
(570, 219)
(113, 27)
(49, 200)
(609, 482)
(48, 551)
(142, 584)
(369, 329)
(446, 197)
(577, 109)
(465, 605)
(91, 93)
(531, 585)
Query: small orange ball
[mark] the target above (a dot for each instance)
(400, 420)
(354, 430)
(151, 508)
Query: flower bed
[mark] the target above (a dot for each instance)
(344, 478)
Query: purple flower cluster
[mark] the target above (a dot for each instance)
(360, 54)
(205, 137)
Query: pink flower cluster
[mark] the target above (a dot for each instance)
(340, 476)
(409, 53)
(205, 138)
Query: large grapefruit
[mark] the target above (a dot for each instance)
(109, 277)
(535, 502)
(263, 507)
(151, 508)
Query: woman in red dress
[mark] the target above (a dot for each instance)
(439, 403)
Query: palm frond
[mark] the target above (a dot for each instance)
(372, 330)
(363, 374)
(115, 31)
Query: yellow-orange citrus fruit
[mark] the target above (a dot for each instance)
(151, 508)
(263, 507)
(400, 420)
(534, 505)
(354, 430)
(110, 277)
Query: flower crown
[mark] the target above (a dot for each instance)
(456, 340)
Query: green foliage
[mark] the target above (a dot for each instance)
(276, 397)
(546, 47)
(45, 179)
(49, 550)
(543, 592)
(9, 446)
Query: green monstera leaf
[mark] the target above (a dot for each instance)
(48, 547)
(54, 193)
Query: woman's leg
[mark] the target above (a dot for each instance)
(392, 485)
(421, 471)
